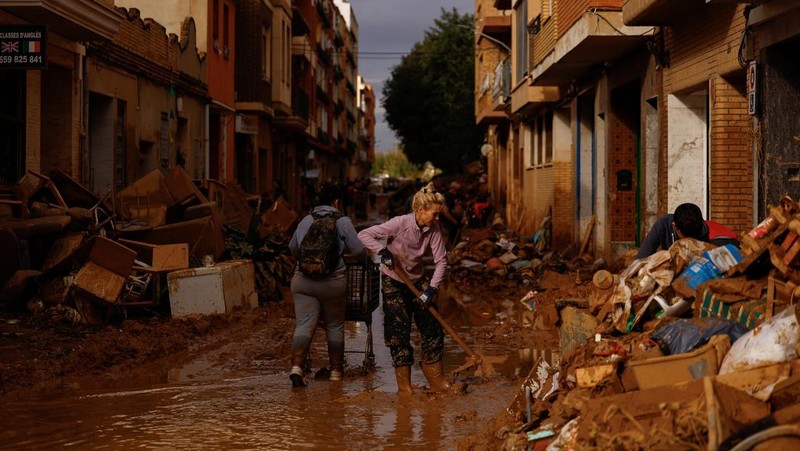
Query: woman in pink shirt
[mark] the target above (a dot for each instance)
(408, 238)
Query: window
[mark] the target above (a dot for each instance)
(215, 23)
(542, 140)
(120, 154)
(266, 53)
(287, 64)
(521, 11)
(284, 54)
(225, 29)
(548, 139)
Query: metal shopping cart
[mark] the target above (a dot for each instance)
(363, 297)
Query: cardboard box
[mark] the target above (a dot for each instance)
(99, 282)
(214, 289)
(668, 370)
(106, 271)
(160, 257)
(644, 413)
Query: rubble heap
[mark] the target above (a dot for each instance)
(163, 243)
(693, 347)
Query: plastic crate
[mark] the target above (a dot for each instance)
(363, 290)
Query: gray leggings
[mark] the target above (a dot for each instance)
(318, 300)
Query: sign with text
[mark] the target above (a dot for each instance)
(23, 47)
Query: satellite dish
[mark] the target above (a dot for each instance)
(486, 149)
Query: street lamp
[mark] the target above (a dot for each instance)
(495, 40)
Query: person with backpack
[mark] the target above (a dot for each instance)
(319, 285)
(408, 238)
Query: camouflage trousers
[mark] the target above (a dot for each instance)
(399, 308)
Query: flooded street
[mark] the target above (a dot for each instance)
(236, 396)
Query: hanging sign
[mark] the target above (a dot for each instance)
(23, 47)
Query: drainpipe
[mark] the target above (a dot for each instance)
(206, 142)
(84, 146)
(638, 192)
(578, 151)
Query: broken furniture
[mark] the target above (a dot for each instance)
(106, 270)
(154, 262)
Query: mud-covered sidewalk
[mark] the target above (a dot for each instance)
(43, 353)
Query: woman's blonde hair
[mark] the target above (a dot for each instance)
(427, 196)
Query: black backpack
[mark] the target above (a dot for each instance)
(319, 251)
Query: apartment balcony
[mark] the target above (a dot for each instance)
(525, 98)
(78, 20)
(498, 27)
(324, 12)
(300, 26)
(297, 121)
(324, 55)
(592, 40)
(502, 4)
(492, 101)
(655, 12)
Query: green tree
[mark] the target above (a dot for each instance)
(396, 164)
(429, 97)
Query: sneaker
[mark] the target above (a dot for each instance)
(336, 375)
(296, 377)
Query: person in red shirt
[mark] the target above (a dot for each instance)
(686, 222)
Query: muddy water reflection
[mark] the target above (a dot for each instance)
(208, 403)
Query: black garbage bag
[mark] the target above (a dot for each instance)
(685, 335)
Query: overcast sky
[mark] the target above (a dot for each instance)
(393, 26)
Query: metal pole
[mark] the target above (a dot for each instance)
(496, 41)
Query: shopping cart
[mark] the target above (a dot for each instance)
(363, 297)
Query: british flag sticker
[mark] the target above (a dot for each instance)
(9, 47)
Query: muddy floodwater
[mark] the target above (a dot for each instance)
(234, 397)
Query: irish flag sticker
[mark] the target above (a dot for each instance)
(34, 46)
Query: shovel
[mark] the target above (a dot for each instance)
(474, 360)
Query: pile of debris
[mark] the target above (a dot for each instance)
(693, 347)
(168, 244)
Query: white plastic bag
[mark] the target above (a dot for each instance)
(773, 341)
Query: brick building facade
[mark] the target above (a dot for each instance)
(41, 118)
(648, 109)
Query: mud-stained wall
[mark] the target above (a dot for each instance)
(781, 131)
(537, 197)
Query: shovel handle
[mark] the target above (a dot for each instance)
(402, 274)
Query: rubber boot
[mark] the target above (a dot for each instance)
(403, 375)
(434, 373)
